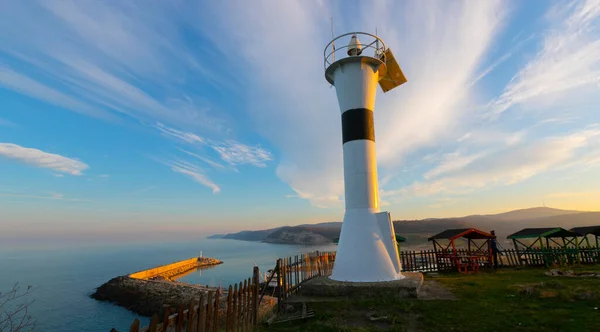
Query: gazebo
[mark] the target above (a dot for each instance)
(464, 260)
(545, 248)
(589, 252)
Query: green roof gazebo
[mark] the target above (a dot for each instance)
(545, 248)
(589, 252)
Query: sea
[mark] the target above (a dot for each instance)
(64, 275)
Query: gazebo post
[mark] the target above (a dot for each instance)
(579, 258)
(455, 254)
(517, 250)
(597, 249)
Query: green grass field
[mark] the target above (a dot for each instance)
(507, 300)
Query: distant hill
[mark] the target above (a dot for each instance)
(417, 231)
(537, 212)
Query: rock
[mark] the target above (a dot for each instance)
(554, 272)
(146, 297)
(374, 317)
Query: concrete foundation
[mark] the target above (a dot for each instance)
(407, 287)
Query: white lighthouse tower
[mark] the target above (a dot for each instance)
(367, 248)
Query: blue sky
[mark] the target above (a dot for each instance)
(193, 117)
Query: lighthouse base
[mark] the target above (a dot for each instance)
(367, 250)
(408, 287)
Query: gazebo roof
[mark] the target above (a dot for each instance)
(532, 233)
(467, 233)
(583, 231)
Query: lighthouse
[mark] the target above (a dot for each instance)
(367, 250)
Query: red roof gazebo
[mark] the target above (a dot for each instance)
(477, 253)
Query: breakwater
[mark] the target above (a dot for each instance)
(145, 292)
(174, 269)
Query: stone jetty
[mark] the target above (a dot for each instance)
(145, 292)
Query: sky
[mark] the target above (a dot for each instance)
(185, 118)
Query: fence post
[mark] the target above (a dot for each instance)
(153, 323)
(179, 319)
(244, 302)
(249, 306)
(201, 313)
(190, 318)
(135, 326)
(318, 261)
(240, 310)
(284, 277)
(216, 312)
(229, 318)
(234, 307)
(255, 304)
(209, 308)
(166, 315)
(279, 281)
(289, 276)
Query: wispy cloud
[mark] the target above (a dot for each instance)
(102, 59)
(567, 67)
(204, 159)
(41, 159)
(179, 134)
(511, 165)
(300, 116)
(27, 86)
(194, 172)
(104, 176)
(451, 162)
(231, 151)
(443, 61)
(236, 153)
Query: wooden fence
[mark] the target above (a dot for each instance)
(291, 272)
(236, 309)
(430, 261)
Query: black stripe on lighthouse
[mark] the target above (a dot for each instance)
(358, 124)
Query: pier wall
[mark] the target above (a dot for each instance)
(173, 269)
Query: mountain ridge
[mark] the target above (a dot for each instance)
(418, 230)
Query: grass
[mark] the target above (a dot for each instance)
(507, 300)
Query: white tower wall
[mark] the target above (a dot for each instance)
(367, 249)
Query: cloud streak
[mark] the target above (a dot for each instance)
(192, 171)
(567, 66)
(41, 159)
(508, 166)
(103, 60)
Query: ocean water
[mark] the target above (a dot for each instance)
(65, 275)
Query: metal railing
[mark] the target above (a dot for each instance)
(332, 53)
